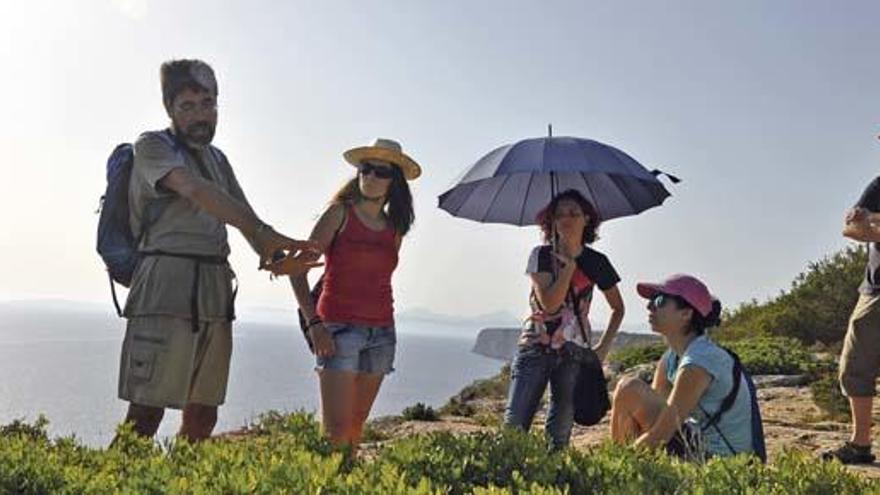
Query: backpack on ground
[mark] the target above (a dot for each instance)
(117, 244)
(758, 445)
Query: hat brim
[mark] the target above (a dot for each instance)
(411, 170)
(648, 291)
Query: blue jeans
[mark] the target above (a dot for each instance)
(533, 367)
(360, 349)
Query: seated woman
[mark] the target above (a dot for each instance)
(693, 378)
(352, 323)
(564, 272)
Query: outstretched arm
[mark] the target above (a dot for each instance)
(220, 204)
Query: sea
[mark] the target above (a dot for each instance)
(63, 363)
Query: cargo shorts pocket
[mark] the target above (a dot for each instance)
(141, 364)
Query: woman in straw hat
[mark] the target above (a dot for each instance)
(351, 324)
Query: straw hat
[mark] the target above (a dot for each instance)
(386, 150)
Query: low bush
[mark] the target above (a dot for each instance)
(773, 355)
(420, 412)
(456, 407)
(816, 307)
(634, 355)
(487, 389)
(20, 427)
(286, 454)
(826, 392)
(760, 355)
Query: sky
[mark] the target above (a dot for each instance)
(768, 111)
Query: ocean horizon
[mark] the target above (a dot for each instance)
(62, 361)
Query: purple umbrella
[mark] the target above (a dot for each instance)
(513, 183)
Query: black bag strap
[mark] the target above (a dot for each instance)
(729, 400)
(576, 307)
(113, 292)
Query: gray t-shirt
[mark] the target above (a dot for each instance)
(162, 285)
(870, 201)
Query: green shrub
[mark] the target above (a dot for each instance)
(20, 427)
(773, 355)
(815, 308)
(495, 387)
(491, 419)
(826, 392)
(420, 412)
(456, 407)
(373, 434)
(634, 355)
(285, 454)
(486, 389)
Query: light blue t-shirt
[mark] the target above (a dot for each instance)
(736, 423)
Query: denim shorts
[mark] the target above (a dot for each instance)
(360, 349)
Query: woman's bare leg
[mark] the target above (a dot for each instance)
(634, 409)
(366, 389)
(338, 404)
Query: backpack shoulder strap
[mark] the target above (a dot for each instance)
(218, 154)
(729, 400)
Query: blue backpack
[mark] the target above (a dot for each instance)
(117, 244)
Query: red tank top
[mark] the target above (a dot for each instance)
(357, 276)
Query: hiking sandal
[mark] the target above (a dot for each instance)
(850, 453)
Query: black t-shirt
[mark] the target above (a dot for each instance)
(591, 263)
(594, 269)
(870, 200)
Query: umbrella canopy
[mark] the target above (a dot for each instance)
(513, 183)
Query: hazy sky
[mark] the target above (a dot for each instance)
(768, 111)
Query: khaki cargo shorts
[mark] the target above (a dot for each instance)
(165, 364)
(860, 359)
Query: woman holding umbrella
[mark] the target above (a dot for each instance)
(564, 271)
(351, 324)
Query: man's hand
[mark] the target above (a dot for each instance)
(856, 215)
(266, 242)
(294, 265)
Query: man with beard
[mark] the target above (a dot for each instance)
(178, 340)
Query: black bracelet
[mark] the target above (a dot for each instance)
(314, 321)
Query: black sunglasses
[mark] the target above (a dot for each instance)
(378, 171)
(661, 300)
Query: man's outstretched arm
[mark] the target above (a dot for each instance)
(220, 204)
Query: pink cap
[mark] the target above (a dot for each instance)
(684, 286)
